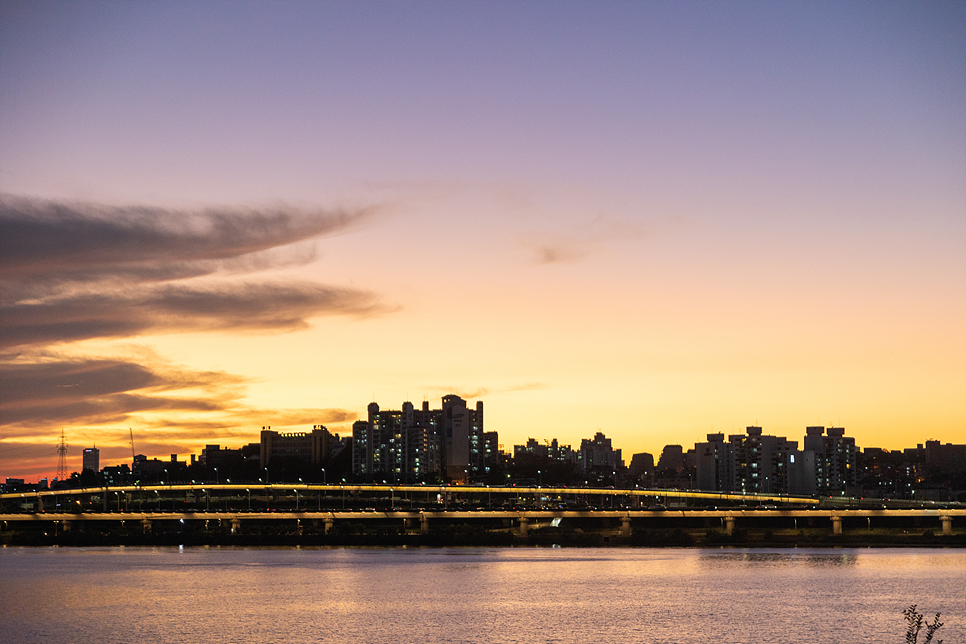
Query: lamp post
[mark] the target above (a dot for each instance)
(249, 499)
(323, 477)
(296, 500)
(216, 476)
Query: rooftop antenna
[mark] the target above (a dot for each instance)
(62, 457)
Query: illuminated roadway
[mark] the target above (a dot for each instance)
(48, 504)
(423, 489)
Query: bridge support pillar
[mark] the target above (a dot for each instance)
(235, 525)
(523, 526)
(947, 525)
(423, 524)
(625, 526)
(328, 524)
(145, 526)
(729, 525)
(836, 525)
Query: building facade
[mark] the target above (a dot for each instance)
(758, 463)
(312, 447)
(410, 444)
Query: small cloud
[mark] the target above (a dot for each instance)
(479, 392)
(557, 248)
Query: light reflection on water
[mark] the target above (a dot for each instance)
(169, 595)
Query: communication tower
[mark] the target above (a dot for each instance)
(62, 457)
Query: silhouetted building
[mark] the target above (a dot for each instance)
(116, 475)
(491, 452)
(551, 451)
(92, 459)
(948, 458)
(672, 458)
(715, 464)
(311, 447)
(597, 454)
(642, 465)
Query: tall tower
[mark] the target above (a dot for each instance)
(62, 457)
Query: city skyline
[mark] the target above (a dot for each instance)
(685, 447)
(654, 220)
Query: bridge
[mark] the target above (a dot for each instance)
(521, 521)
(494, 507)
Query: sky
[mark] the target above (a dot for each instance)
(656, 220)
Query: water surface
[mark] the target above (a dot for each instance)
(375, 596)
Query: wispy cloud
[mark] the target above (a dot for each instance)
(74, 272)
(172, 308)
(58, 241)
(96, 391)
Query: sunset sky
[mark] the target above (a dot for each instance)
(651, 219)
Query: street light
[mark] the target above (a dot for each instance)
(323, 477)
(249, 499)
(216, 476)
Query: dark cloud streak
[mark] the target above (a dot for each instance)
(77, 272)
(95, 391)
(42, 239)
(179, 308)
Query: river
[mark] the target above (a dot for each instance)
(475, 595)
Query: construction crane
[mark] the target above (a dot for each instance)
(133, 458)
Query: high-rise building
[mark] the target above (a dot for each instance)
(748, 463)
(715, 464)
(413, 444)
(92, 459)
(834, 457)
